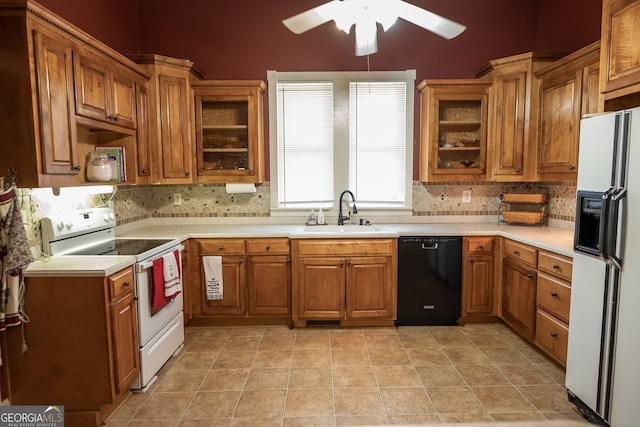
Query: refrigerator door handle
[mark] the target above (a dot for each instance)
(612, 226)
(603, 250)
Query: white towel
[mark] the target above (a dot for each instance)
(171, 273)
(213, 276)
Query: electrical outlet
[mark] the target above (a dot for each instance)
(177, 199)
(466, 196)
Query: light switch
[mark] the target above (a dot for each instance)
(466, 196)
(177, 199)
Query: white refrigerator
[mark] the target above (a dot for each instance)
(603, 360)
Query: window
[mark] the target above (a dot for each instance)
(332, 131)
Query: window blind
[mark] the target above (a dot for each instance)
(305, 144)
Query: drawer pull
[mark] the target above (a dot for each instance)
(554, 335)
(125, 284)
(221, 248)
(556, 266)
(470, 259)
(516, 252)
(554, 294)
(481, 247)
(268, 247)
(529, 275)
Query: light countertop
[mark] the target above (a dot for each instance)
(549, 238)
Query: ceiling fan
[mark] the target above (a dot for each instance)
(364, 14)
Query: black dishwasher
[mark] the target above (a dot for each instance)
(429, 280)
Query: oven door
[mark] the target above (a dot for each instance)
(150, 323)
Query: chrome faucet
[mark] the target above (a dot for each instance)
(342, 218)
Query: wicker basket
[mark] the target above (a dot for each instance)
(524, 198)
(523, 217)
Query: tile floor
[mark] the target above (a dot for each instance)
(274, 376)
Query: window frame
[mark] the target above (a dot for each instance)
(341, 80)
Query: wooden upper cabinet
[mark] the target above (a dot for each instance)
(568, 90)
(620, 56)
(102, 91)
(229, 130)
(143, 152)
(170, 119)
(453, 122)
(513, 114)
(54, 72)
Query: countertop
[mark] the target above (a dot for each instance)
(553, 239)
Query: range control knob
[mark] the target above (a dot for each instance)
(60, 225)
(69, 224)
(112, 216)
(105, 217)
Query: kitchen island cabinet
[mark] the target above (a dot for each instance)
(82, 346)
(351, 282)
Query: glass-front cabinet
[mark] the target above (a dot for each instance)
(229, 131)
(453, 130)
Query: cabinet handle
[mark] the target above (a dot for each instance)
(529, 275)
(221, 248)
(251, 171)
(516, 170)
(268, 247)
(341, 263)
(556, 266)
(348, 262)
(240, 262)
(554, 294)
(145, 171)
(186, 174)
(553, 334)
(115, 118)
(481, 247)
(288, 260)
(470, 259)
(125, 284)
(516, 252)
(572, 167)
(77, 168)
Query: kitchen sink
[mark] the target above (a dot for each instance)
(351, 230)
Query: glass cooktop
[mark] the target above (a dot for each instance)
(121, 247)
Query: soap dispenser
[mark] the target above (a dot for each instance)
(312, 218)
(320, 217)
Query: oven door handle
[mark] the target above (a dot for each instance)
(142, 266)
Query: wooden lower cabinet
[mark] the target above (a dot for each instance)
(519, 297)
(82, 346)
(479, 292)
(350, 281)
(256, 277)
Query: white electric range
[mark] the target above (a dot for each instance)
(91, 232)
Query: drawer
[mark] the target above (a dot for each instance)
(268, 246)
(221, 247)
(555, 264)
(120, 283)
(552, 335)
(521, 252)
(554, 295)
(478, 244)
(355, 247)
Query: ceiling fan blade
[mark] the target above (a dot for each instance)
(428, 20)
(312, 18)
(366, 38)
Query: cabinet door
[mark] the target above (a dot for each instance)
(54, 64)
(559, 123)
(519, 297)
(321, 288)
(125, 341)
(369, 291)
(269, 285)
(478, 285)
(92, 79)
(509, 130)
(174, 124)
(143, 154)
(620, 45)
(233, 289)
(123, 100)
